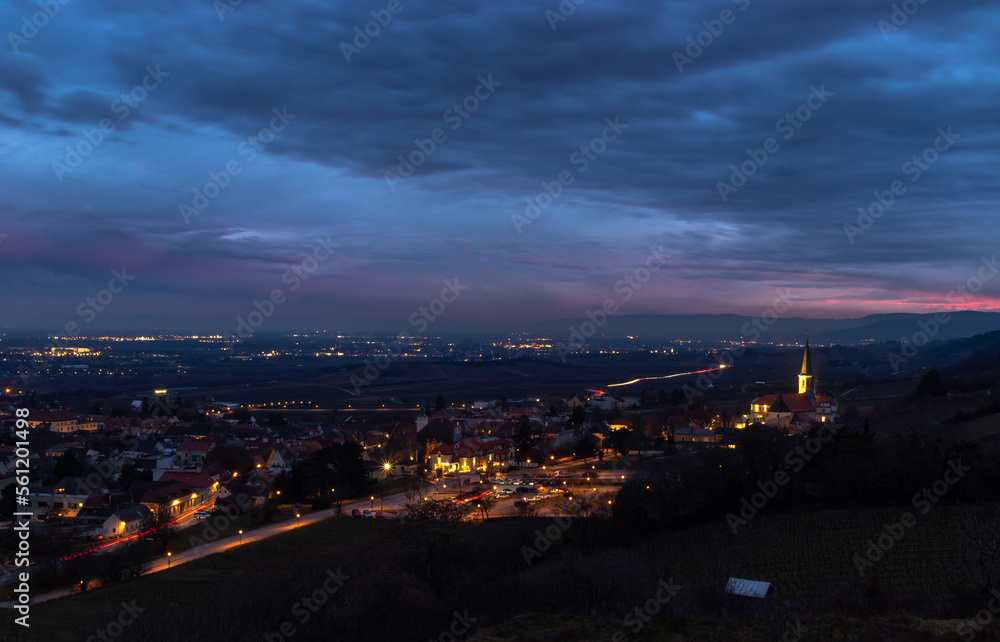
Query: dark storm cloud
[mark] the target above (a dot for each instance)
(550, 91)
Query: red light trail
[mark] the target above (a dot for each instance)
(679, 374)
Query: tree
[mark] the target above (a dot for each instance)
(585, 448)
(439, 403)
(7, 499)
(619, 440)
(159, 522)
(68, 466)
(231, 458)
(931, 385)
(486, 504)
(439, 510)
(577, 417)
(701, 411)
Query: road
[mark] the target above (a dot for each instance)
(605, 481)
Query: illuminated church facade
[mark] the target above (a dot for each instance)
(795, 411)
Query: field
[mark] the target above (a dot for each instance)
(582, 588)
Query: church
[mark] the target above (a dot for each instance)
(795, 412)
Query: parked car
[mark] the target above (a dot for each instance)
(355, 513)
(403, 514)
(524, 489)
(202, 514)
(367, 513)
(379, 515)
(519, 503)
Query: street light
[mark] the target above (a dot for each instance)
(297, 519)
(168, 558)
(241, 536)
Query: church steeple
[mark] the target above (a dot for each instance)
(806, 375)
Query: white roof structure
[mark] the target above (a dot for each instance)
(748, 588)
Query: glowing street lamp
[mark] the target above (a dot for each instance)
(168, 558)
(297, 523)
(241, 535)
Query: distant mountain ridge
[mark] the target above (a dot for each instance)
(873, 327)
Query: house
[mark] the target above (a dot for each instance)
(122, 521)
(469, 455)
(697, 435)
(58, 420)
(56, 501)
(177, 491)
(192, 452)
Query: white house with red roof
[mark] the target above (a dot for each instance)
(192, 452)
(60, 421)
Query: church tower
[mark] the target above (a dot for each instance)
(806, 375)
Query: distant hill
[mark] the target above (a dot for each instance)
(875, 327)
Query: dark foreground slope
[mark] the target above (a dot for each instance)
(421, 581)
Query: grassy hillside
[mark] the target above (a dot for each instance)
(586, 579)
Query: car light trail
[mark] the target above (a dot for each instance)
(679, 374)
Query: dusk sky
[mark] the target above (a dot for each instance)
(834, 101)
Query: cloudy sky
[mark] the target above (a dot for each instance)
(674, 157)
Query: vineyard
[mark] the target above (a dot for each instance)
(584, 583)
